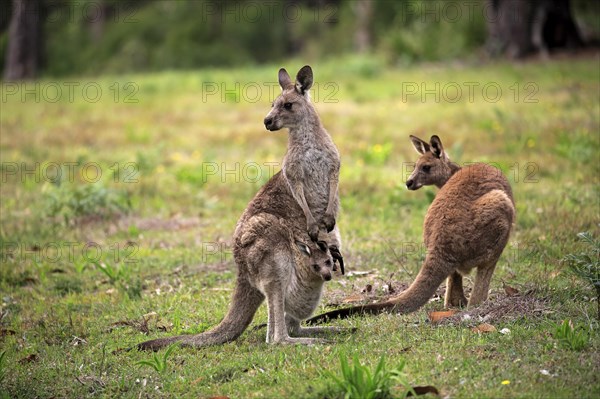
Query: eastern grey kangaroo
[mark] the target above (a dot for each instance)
(467, 226)
(312, 164)
(267, 238)
(273, 263)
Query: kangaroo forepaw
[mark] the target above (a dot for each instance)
(337, 257)
(313, 231)
(328, 222)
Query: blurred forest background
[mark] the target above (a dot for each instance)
(54, 38)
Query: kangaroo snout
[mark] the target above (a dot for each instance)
(411, 185)
(272, 123)
(268, 123)
(323, 271)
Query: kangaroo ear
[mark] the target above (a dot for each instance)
(284, 79)
(304, 79)
(421, 146)
(437, 148)
(303, 248)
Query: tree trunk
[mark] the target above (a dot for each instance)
(23, 54)
(517, 28)
(364, 14)
(97, 23)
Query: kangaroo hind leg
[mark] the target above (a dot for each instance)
(277, 331)
(481, 285)
(455, 296)
(295, 330)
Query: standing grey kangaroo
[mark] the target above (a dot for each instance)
(277, 258)
(466, 227)
(312, 164)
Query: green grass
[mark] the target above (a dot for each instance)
(357, 381)
(176, 173)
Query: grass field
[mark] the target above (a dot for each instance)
(119, 197)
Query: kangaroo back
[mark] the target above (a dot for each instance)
(470, 217)
(467, 226)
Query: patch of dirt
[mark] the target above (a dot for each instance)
(368, 290)
(501, 305)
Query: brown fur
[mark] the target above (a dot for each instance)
(277, 258)
(466, 227)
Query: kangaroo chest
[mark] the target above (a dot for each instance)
(313, 168)
(301, 300)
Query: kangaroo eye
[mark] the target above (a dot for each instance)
(426, 168)
(287, 106)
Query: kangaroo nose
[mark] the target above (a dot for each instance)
(268, 122)
(409, 183)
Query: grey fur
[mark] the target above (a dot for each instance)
(277, 258)
(312, 163)
(277, 263)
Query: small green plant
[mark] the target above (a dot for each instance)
(80, 265)
(42, 272)
(158, 364)
(357, 381)
(119, 277)
(177, 322)
(114, 274)
(586, 265)
(571, 337)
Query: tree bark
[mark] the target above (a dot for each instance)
(23, 54)
(97, 23)
(517, 28)
(364, 14)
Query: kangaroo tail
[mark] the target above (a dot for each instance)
(431, 275)
(246, 301)
(374, 308)
(159, 343)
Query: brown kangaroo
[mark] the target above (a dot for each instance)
(467, 226)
